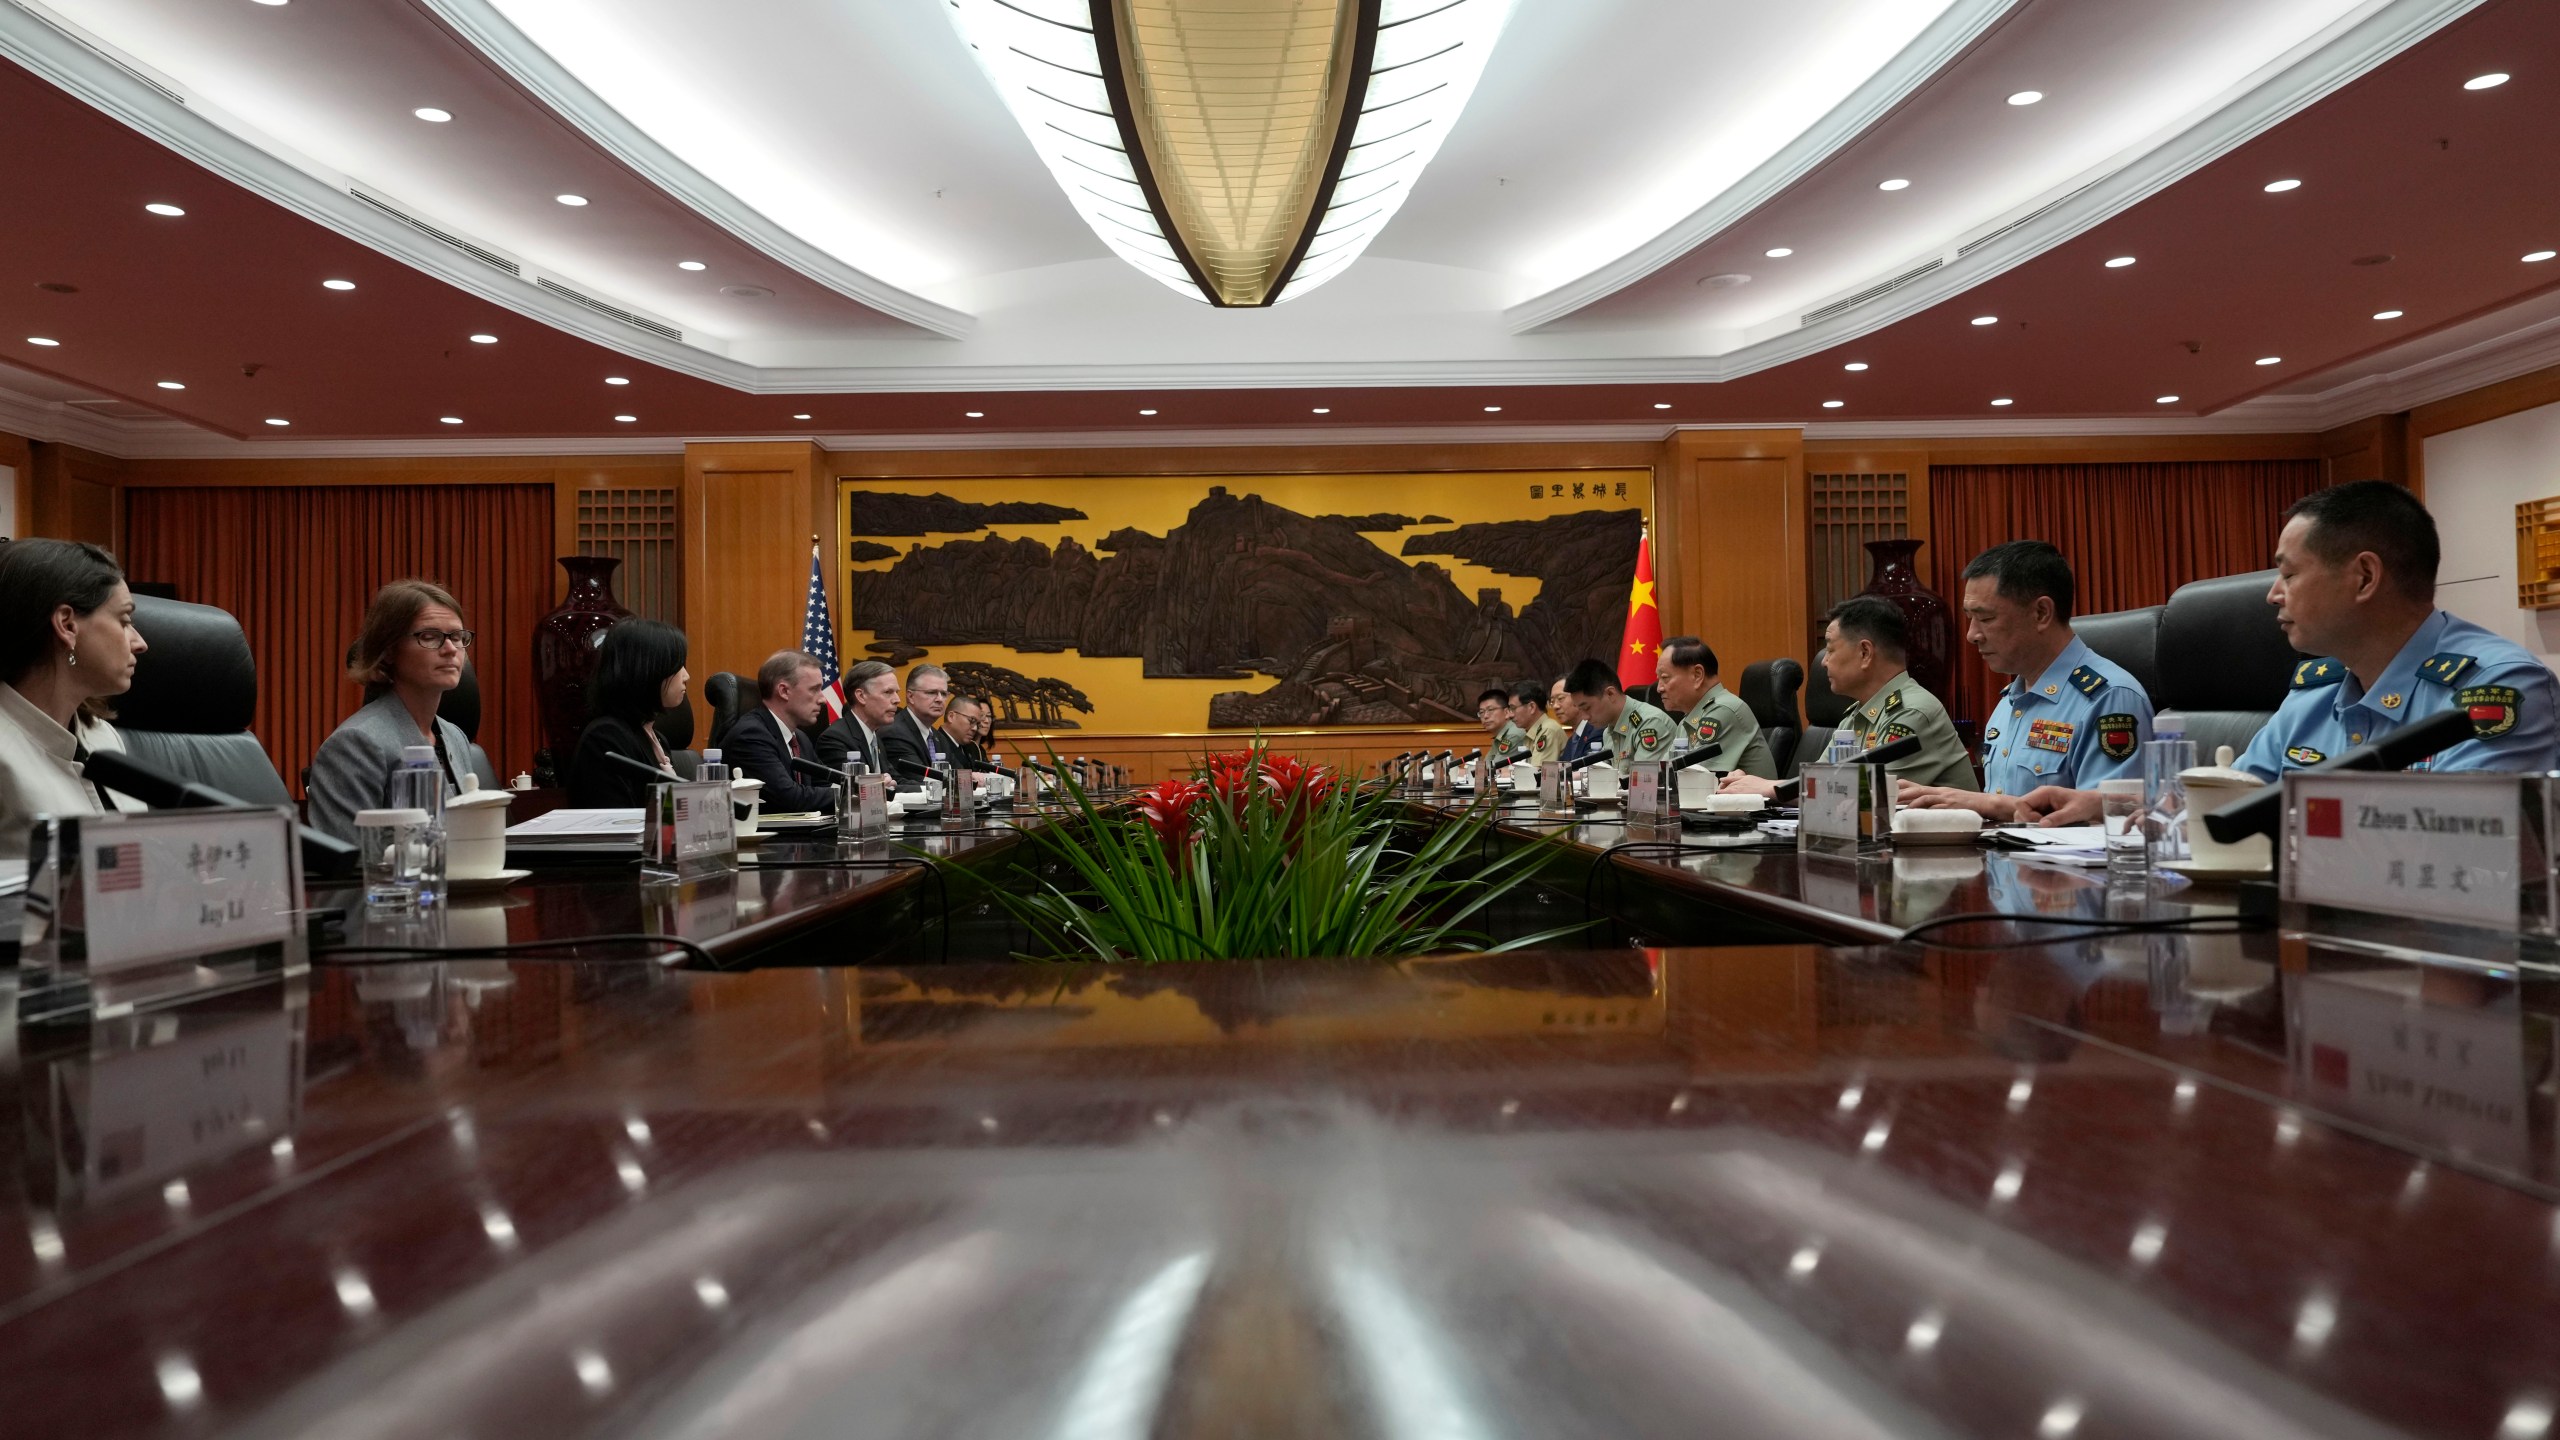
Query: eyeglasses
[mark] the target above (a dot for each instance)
(434, 639)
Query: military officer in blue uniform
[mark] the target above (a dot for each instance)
(2070, 716)
(2355, 586)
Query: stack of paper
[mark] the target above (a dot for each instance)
(576, 829)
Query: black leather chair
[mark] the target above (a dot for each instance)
(2223, 663)
(1769, 687)
(729, 695)
(2131, 638)
(1823, 705)
(461, 705)
(194, 695)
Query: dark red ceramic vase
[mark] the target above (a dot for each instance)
(564, 656)
(1932, 624)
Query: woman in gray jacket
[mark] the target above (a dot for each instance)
(410, 654)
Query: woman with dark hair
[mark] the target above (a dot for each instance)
(639, 673)
(67, 644)
(408, 655)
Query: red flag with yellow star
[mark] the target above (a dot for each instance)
(1641, 651)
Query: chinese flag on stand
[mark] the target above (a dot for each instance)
(1640, 652)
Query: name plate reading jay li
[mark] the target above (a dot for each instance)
(2447, 847)
(175, 884)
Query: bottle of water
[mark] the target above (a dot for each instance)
(2164, 791)
(712, 768)
(418, 784)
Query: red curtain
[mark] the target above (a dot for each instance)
(296, 564)
(2133, 532)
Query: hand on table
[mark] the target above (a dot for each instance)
(1739, 783)
(2055, 805)
(1994, 809)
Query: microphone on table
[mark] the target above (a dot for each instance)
(1589, 759)
(2262, 813)
(1888, 752)
(816, 771)
(1694, 757)
(1505, 762)
(656, 775)
(324, 857)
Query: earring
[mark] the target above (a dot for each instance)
(73, 656)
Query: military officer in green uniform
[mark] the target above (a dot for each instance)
(1711, 717)
(1631, 729)
(1864, 655)
(1529, 712)
(1493, 712)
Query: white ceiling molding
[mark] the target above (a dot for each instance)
(1947, 38)
(548, 81)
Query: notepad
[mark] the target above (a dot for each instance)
(577, 827)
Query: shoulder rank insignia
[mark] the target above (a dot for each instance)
(2087, 681)
(2116, 736)
(1892, 702)
(2312, 674)
(1895, 731)
(2492, 707)
(2304, 755)
(2446, 668)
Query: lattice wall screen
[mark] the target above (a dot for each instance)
(1849, 511)
(637, 527)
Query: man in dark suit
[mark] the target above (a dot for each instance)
(871, 703)
(763, 742)
(968, 723)
(911, 742)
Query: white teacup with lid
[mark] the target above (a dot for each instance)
(748, 791)
(475, 831)
(2209, 788)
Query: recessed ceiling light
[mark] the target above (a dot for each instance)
(1662, 405)
(450, 419)
(1781, 253)
(337, 284)
(977, 414)
(159, 207)
(1146, 412)
(1895, 184)
(572, 201)
(2004, 400)
(2166, 400)
(267, 2)
(432, 115)
(2271, 360)
(279, 423)
(1322, 410)
(1986, 319)
(1833, 404)
(616, 380)
(2278, 187)
(171, 385)
(799, 417)
(2388, 314)
(2538, 256)
(1493, 409)
(43, 341)
(484, 339)
(2119, 262)
(2490, 81)
(625, 419)
(1854, 366)
(691, 265)
(2026, 97)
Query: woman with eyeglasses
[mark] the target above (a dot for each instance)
(409, 654)
(67, 644)
(639, 674)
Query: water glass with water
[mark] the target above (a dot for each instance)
(419, 785)
(2164, 796)
(2120, 811)
(393, 848)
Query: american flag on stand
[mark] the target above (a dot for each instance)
(119, 867)
(818, 637)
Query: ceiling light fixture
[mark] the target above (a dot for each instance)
(2271, 360)
(1986, 319)
(1781, 253)
(450, 420)
(2119, 262)
(1855, 366)
(2166, 400)
(2002, 402)
(625, 419)
(616, 380)
(171, 385)
(432, 115)
(162, 207)
(2490, 81)
(267, 2)
(800, 417)
(1833, 404)
(572, 201)
(337, 284)
(2388, 314)
(1661, 404)
(977, 414)
(2538, 256)
(1322, 410)
(1894, 184)
(484, 339)
(1241, 155)
(279, 423)
(1493, 409)
(1146, 412)
(691, 265)
(44, 341)
(2026, 97)
(2278, 187)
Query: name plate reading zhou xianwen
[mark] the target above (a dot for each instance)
(2449, 847)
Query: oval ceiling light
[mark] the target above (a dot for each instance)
(2166, 400)
(1893, 184)
(449, 420)
(162, 207)
(2003, 401)
(800, 417)
(2278, 187)
(1146, 412)
(279, 423)
(977, 414)
(2388, 314)
(2490, 81)
(1854, 366)
(2271, 360)
(572, 201)
(432, 115)
(44, 341)
(2538, 256)
(267, 2)
(171, 385)
(691, 265)
(1781, 253)
(484, 339)
(1493, 409)
(2119, 262)
(1833, 404)
(337, 284)
(1661, 404)
(1986, 319)
(1321, 410)
(616, 380)
(1240, 154)
(2026, 97)
(625, 419)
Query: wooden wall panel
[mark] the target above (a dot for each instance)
(19, 458)
(1729, 543)
(746, 513)
(75, 496)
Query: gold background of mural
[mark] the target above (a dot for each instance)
(1125, 701)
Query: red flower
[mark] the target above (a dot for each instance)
(1166, 807)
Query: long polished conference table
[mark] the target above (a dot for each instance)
(2140, 1184)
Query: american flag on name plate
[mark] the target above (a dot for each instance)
(119, 867)
(818, 637)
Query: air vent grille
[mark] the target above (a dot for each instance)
(637, 322)
(1874, 292)
(1978, 241)
(481, 253)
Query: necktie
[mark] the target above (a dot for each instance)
(791, 738)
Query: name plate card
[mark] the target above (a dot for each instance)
(2467, 848)
(1555, 789)
(1828, 801)
(139, 889)
(1644, 789)
(691, 829)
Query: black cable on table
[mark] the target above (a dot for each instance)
(381, 954)
(2082, 927)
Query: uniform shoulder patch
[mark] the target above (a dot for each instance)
(2304, 755)
(2087, 681)
(2118, 735)
(1892, 702)
(1895, 731)
(2492, 709)
(2446, 668)
(1709, 730)
(2312, 674)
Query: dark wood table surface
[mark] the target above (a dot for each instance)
(2140, 1185)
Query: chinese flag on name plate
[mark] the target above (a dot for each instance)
(1641, 651)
